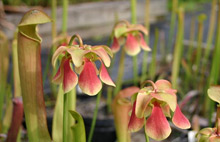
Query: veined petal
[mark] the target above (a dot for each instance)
(88, 80)
(135, 123)
(170, 99)
(103, 55)
(143, 99)
(104, 76)
(132, 46)
(138, 28)
(115, 45)
(163, 84)
(144, 44)
(157, 126)
(77, 55)
(56, 54)
(180, 120)
(70, 79)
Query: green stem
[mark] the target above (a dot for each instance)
(135, 70)
(154, 56)
(94, 117)
(172, 23)
(65, 117)
(53, 15)
(133, 12)
(178, 48)
(147, 38)
(199, 43)
(65, 15)
(191, 41)
(134, 21)
(147, 138)
(120, 73)
(211, 31)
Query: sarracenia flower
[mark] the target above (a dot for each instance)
(208, 135)
(83, 58)
(154, 103)
(131, 35)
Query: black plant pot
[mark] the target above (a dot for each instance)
(104, 130)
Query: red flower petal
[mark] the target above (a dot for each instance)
(88, 80)
(104, 76)
(143, 99)
(180, 120)
(157, 126)
(132, 46)
(115, 45)
(56, 54)
(58, 78)
(135, 123)
(70, 79)
(144, 44)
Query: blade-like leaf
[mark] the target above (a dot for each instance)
(57, 129)
(78, 128)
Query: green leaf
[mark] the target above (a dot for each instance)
(57, 127)
(78, 128)
(214, 93)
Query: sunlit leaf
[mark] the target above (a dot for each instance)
(78, 128)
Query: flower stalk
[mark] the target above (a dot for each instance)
(178, 48)
(147, 39)
(91, 132)
(135, 60)
(120, 72)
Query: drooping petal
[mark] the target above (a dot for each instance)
(143, 99)
(180, 120)
(70, 79)
(135, 123)
(77, 55)
(104, 76)
(103, 55)
(88, 80)
(170, 99)
(56, 54)
(138, 28)
(115, 45)
(132, 46)
(163, 84)
(144, 44)
(58, 78)
(157, 126)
